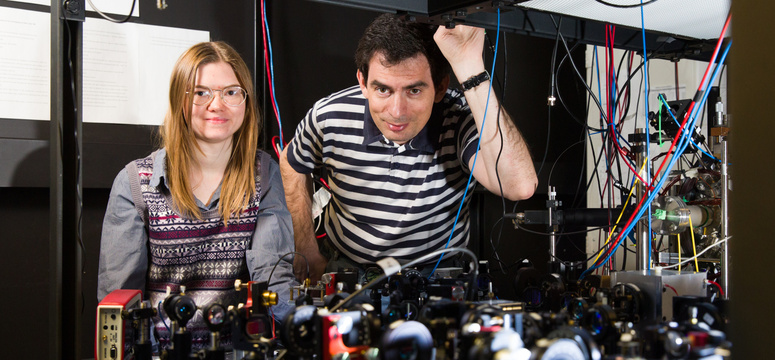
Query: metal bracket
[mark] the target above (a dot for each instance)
(74, 10)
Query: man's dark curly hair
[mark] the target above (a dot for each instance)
(398, 39)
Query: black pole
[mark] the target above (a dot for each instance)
(65, 251)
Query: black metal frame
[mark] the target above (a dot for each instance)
(521, 20)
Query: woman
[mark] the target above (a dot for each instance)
(205, 209)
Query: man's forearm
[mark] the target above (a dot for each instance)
(515, 169)
(297, 196)
(299, 200)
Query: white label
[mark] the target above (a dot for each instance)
(389, 265)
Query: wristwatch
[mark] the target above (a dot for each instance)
(475, 80)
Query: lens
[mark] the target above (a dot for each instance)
(392, 313)
(406, 340)
(578, 307)
(300, 331)
(532, 296)
(184, 309)
(563, 349)
(216, 315)
(201, 96)
(344, 325)
(675, 345)
(233, 95)
(597, 323)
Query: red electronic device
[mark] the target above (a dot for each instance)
(113, 335)
(329, 280)
(345, 333)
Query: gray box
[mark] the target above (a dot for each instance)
(661, 286)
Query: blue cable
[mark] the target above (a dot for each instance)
(597, 67)
(670, 112)
(478, 143)
(600, 92)
(271, 72)
(679, 150)
(612, 94)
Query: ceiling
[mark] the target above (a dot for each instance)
(696, 19)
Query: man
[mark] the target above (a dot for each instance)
(397, 150)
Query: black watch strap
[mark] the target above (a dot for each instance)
(475, 80)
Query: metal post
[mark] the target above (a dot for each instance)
(719, 131)
(65, 144)
(724, 217)
(54, 328)
(552, 227)
(641, 229)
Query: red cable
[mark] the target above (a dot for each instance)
(325, 183)
(607, 71)
(614, 83)
(274, 333)
(623, 104)
(715, 51)
(699, 89)
(609, 51)
(609, 161)
(672, 288)
(717, 285)
(648, 185)
(269, 71)
(274, 146)
(610, 83)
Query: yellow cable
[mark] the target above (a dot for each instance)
(679, 252)
(624, 206)
(694, 247)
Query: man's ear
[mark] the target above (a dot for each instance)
(361, 81)
(442, 89)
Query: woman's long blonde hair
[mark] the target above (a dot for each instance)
(177, 134)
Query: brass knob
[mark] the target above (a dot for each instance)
(269, 297)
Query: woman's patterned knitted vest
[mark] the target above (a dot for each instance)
(206, 256)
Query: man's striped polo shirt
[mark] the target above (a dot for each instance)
(389, 199)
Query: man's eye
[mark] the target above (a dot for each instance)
(382, 90)
(414, 91)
